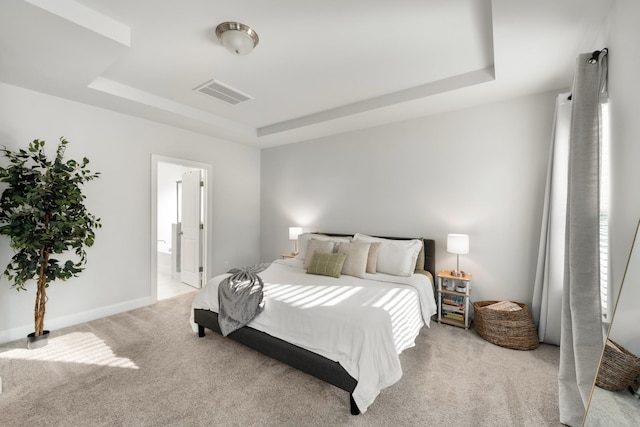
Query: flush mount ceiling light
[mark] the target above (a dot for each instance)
(238, 38)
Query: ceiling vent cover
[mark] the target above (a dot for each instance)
(222, 92)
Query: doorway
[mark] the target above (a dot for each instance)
(179, 188)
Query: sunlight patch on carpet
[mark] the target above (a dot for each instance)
(76, 347)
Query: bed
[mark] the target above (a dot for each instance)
(347, 330)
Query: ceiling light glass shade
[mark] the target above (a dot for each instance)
(238, 38)
(458, 243)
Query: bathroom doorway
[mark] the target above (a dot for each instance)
(178, 259)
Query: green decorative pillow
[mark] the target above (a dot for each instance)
(313, 246)
(327, 264)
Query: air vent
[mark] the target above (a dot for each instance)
(222, 92)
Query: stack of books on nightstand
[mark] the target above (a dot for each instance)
(453, 307)
(452, 315)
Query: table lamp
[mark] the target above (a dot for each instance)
(457, 244)
(294, 232)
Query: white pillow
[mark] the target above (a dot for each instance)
(320, 246)
(395, 257)
(357, 254)
(304, 238)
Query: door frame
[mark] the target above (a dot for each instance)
(208, 171)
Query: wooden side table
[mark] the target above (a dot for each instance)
(453, 299)
(289, 255)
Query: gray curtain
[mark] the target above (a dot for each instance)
(546, 306)
(581, 339)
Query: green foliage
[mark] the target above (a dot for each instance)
(43, 213)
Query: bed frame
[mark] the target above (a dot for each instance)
(297, 357)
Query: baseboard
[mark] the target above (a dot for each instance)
(74, 319)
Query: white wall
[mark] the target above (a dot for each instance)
(624, 107)
(479, 171)
(118, 274)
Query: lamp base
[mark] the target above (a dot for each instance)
(458, 273)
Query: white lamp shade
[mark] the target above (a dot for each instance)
(458, 243)
(237, 42)
(294, 232)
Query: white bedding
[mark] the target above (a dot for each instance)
(364, 324)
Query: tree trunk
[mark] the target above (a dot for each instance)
(41, 293)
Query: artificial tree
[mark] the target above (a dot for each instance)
(42, 212)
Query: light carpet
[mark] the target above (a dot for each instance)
(147, 367)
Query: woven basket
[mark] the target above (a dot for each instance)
(618, 368)
(510, 329)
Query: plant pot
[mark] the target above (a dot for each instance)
(34, 342)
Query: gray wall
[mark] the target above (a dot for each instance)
(624, 107)
(479, 171)
(118, 274)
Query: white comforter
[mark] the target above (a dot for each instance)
(364, 324)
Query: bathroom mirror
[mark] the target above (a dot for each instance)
(621, 408)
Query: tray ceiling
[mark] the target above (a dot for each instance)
(321, 67)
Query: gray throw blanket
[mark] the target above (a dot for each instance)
(240, 297)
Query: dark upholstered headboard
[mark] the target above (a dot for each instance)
(429, 250)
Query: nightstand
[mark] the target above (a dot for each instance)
(289, 255)
(453, 299)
